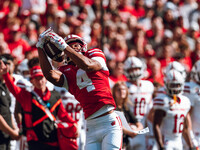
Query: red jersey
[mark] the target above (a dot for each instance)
(91, 89)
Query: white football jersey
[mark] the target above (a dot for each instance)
(74, 109)
(172, 124)
(141, 98)
(192, 91)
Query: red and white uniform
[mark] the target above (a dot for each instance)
(91, 89)
(93, 92)
(192, 91)
(172, 124)
(141, 98)
(75, 110)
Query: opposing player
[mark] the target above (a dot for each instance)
(192, 91)
(75, 110)
(176, 66)
(140, 93)
(171, 114)
(86, 77)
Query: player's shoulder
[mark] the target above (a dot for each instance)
(161, 101)
(148, 84)
(191, 87)
(94, 52)
(161, 90)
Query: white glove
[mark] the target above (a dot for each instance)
(42, 38)
(57, 40)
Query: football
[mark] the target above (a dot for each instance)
(53, 52)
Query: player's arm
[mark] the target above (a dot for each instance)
(54, 76)
(187, 132)
(81, 61)
(158, 118)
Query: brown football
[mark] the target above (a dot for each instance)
(53, 52)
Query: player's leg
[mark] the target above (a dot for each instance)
(173, 143)
(93, 135)
(104, 133)
(113, 136)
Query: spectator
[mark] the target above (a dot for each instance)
(35, 7)
(59, 23)
(156, 72)
(16, 44)
(167, 56)
(8, 127)
(195, 55)
(192, 34)
(120, 95)
(119, 48)
(159, 8)
(185, 10)
(41, 134)
(3, 45)
(117, 74)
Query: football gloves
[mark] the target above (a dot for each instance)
(42, 39)
(57, 40)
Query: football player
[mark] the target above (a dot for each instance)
(85, 77)
(140, 93)
(75, 110)
(171, 114)
(192, 91)
(176, 66)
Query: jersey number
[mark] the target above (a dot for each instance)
(139, 107)
(83, 81)
(178, 123)
(74, 110)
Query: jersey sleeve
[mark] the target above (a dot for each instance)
(160, 102)
(98, 55)
(65, 83)
(190, 93)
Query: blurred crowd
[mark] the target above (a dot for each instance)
(156, 31)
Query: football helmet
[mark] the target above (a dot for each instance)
(133, 68)
(174, 82)
(177, 66)
(23, 69)
(195, 72)
(70, 39)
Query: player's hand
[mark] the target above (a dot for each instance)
(3, 68)
(57, 40)
(42, 38)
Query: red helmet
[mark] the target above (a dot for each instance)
(75, 38)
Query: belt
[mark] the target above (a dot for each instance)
(109, 112)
